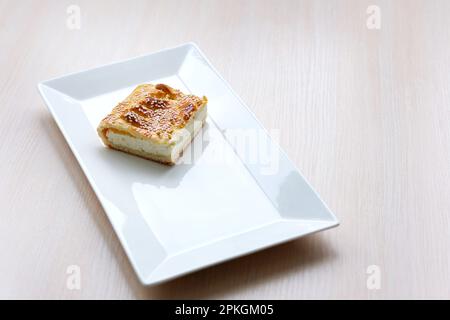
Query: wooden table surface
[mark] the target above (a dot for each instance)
(364, 113)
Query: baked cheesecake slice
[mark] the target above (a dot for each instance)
(155, 122)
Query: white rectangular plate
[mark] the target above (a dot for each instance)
(220, 202)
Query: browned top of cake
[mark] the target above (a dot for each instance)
(153, 111)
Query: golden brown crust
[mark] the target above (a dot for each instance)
(151, 112)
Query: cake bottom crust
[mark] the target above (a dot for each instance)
(143, 155)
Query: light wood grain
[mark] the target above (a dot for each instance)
(365, 116)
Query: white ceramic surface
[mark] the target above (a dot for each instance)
(217, 204)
